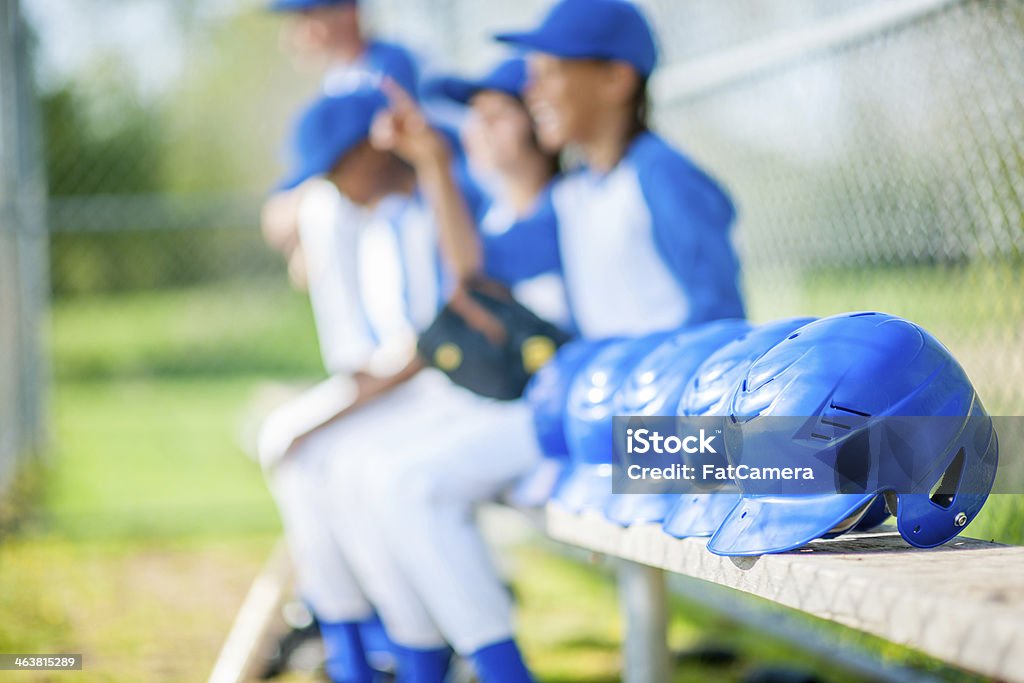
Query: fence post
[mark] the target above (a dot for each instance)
(23, 242)
(642, 596)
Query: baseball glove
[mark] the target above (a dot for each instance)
(488, 342)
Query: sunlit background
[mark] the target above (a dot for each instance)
(143, 322)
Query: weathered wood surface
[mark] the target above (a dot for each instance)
(237, 660)
(962, 603)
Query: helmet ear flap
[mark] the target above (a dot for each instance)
(926, 520)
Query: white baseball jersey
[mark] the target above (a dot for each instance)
(642, 248)
(373, 279)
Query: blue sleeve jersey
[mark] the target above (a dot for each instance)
(524, 248)
(691, 217)
(523, 254)
(642, 248)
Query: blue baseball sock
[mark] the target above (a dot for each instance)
(501, 662)
(381, 652)
(344, 657)
(422, 666)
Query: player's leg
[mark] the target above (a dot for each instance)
(430, 526)
(371, 438)
(324, 578)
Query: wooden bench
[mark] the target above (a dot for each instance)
(962, 603)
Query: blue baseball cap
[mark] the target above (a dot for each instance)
(508, 77)
(299, 5)
(593, 29)
(327, 130)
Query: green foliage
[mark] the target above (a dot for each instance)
(90, 262)
(111, 150)
(237, 328)
(215, 133)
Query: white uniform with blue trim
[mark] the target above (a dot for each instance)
(426, 503)
(544, 291)
(379, 59)
(373, 284)
(336, 488)
(644, 247)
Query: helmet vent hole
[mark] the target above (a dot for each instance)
(852, 411)
(853, 463)
(917, 529)
(743, 386)
(743, 515)
(943, 493)
(862, 315)
(815, 435)
(793, 336)
(833, 423)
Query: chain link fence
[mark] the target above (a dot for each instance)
(875, 149)
(876, 152)
(23, 284)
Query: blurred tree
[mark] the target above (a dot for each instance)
(118, 155)
(229, 118)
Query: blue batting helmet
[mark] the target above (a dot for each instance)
(653, 389)
(842, 381)
(588, 428)
(546, 394)
(708, 394)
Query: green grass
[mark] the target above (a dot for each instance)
(152, 521)
(154, 458)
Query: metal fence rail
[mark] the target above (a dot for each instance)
(23, 272)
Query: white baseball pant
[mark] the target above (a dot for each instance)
(425, 503)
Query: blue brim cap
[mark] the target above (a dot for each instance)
(327, 130)
(509, 78)
(592, 29)
(300, 5)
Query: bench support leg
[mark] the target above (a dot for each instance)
(642, 597)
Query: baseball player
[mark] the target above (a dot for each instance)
(642, 240)
(326, 35)
(324, 452)
(643, 232)
(410, 503)
(502, 148)
(366, 325)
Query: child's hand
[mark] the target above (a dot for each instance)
(404, 130)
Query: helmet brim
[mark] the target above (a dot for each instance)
(587, 486)
(701, 514)
(638, 508)
(536, 487)
(774, 524)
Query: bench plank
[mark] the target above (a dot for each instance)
(962, 603)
